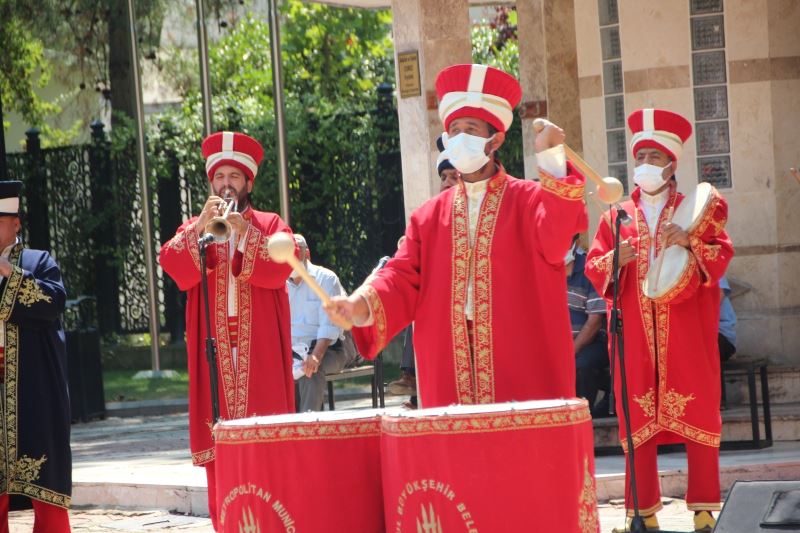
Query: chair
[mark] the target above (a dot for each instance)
(748, 365)
(375, 370)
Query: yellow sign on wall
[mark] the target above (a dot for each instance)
(408, 67)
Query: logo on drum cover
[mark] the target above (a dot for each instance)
(423, 505)
(430, 522)
(252, 506)
(248, 524)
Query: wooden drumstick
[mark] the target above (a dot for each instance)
(660, 258)
(281, 250)
(795, 173)
(609, 189)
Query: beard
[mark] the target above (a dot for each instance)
(242, 197)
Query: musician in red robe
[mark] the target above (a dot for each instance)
(481, 272)
(671, 353)
(250, 316)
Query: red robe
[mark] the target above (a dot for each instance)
(671, 350)
(522, 338)
(261, 382)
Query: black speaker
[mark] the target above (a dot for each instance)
(761, 506)
(87, 397)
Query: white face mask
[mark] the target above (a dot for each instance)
(466, 152)
(649, 177)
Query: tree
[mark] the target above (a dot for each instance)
(23, 66)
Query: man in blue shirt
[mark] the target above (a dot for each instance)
(314, 337)
(727, 322)
(587, 314)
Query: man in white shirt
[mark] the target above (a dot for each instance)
(314, 337)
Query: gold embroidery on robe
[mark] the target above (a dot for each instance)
(647, 403)
(675, 403)
(587, 511)
(30, 293)
(27, 468)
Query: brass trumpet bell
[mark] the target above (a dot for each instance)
(219, 226)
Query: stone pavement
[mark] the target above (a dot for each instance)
(674, 516)
(129, 473)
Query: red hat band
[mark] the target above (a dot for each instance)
(660, 129)
(477, 91)
(231, 148)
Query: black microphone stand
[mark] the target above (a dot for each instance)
(211, 342)
(617, 349)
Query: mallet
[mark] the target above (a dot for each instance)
(609, 190)
(281, 250)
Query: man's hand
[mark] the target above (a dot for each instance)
(238, 223)
(311, 364)
(210, 210)
(549, 137)
(627, 252)
(5, 267)
(674, 234)
(344, 312)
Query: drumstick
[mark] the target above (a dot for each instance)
(610, 189)
(281, 250)
(795, 173)
(660, 258)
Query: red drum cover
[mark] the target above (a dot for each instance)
(300, 473)
(502, 467)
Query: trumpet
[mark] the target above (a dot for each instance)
(219, 226)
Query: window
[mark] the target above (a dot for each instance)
(710, 78)
(613, 89)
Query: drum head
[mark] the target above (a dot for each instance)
(688, 214)
(312, 417)
(467, 410)
(675, 260)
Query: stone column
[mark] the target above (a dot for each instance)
(439, 30)
(548, 71)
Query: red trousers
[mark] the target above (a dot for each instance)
(702, 493)
(48, 518)
(211, 477)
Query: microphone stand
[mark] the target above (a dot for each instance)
(617, 348)
(211, 342)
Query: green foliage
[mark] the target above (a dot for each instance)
(495, 43)
(23, 67)
(333, 61)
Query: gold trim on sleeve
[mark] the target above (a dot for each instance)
(562, 189)
(31, 293)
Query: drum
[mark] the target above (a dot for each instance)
(670, 275)
(300, 472)
(500, 467)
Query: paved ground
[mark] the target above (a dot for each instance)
(143, 463)
(674, 516)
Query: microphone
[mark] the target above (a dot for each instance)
(207, 238)
(623, 215)
(381, 263)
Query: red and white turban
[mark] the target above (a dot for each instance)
(477, 91)
(232, 148)
(660, 129)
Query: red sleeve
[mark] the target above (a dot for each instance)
(600, 261)
(254, 265)
(392, 295)
(559, 212)
(180, 256)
